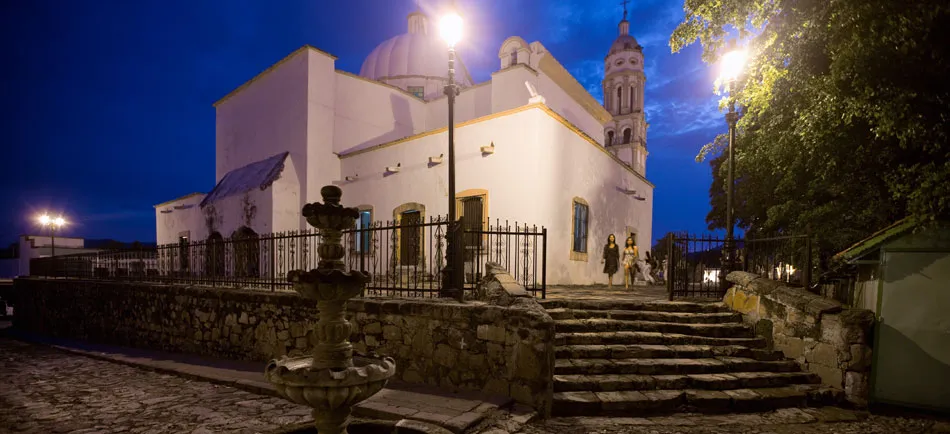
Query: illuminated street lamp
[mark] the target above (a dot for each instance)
(450, 27)
(53, 224)
(732, 65)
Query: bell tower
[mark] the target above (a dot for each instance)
(624, 81)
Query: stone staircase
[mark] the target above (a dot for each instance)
(650, 358)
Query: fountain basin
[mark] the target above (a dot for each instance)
(329, 389)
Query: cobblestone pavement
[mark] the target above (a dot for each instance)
(47, 391)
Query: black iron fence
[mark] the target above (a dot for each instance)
(693, 265)
(786, 258)
(404, 258)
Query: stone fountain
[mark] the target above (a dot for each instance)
(329, 380)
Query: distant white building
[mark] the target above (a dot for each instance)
(532, 145)
(39, 246)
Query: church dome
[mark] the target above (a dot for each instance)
(625, 43)
(417, 53)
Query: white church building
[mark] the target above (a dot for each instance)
(532, 145)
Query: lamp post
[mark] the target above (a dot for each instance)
(732, 63)
(450, 27)
(52, 224)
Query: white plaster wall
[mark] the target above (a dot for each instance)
(267, 117)
(471, 103)
(572, 166)
(499, 173)
(169, 225)
(508, 90)
(287, 206)
(558, 100)
(231, 216)
(318, 166)
(539, 165)
(367, 114)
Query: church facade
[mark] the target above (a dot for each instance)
(532, 145)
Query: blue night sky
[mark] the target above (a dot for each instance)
(108, 103)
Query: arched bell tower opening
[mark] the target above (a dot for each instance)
(623, 87)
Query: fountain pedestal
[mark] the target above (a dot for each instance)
(329, 380)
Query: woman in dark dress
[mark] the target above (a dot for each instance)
(611, 259)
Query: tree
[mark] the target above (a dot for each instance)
(844, 109)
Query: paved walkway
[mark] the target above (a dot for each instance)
(47, 388)
(602, 292)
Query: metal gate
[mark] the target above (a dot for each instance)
(693, 266)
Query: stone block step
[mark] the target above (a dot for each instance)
(733, 330)
(717, 365)
(651, 338)
(734, 380)
(644, 315)
(656, 402)
(662, 352)
(650, 306)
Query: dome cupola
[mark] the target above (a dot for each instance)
(415, 61)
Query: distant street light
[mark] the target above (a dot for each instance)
(732, 65)
(53, 224)
(450, 27)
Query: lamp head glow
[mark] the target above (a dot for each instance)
(44, 219)
(450, 27)
(59, 221)
(732, 64)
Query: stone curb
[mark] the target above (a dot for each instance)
(259, 388)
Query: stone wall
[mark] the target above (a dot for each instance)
(501, 346)
(825, 337)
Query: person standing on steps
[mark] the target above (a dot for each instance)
(611, 259)
(630, 257)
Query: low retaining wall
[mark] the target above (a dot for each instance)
(498, 348)
(825, 337)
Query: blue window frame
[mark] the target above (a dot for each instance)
(581, 214)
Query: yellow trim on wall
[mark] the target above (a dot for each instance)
(593, 142)
(269, 69)
(552, 68)
(176, 200)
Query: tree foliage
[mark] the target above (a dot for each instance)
(845, 107)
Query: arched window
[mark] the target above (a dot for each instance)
(247, 252)
(514, 57)
(610, 138)
(214, 255)
(619, 98)
(633, 98)
(626, 135)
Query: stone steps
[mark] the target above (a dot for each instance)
(650, 366)
(734, 380)
(656, 402)
(618, 358)
(651, 338)
(649, 306)
(692, 329)
(655, 316)
(662, 352)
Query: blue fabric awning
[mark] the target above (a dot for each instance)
(260, 174)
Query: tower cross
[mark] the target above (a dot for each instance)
(624, 3)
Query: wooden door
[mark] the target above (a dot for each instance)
(409, 240)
